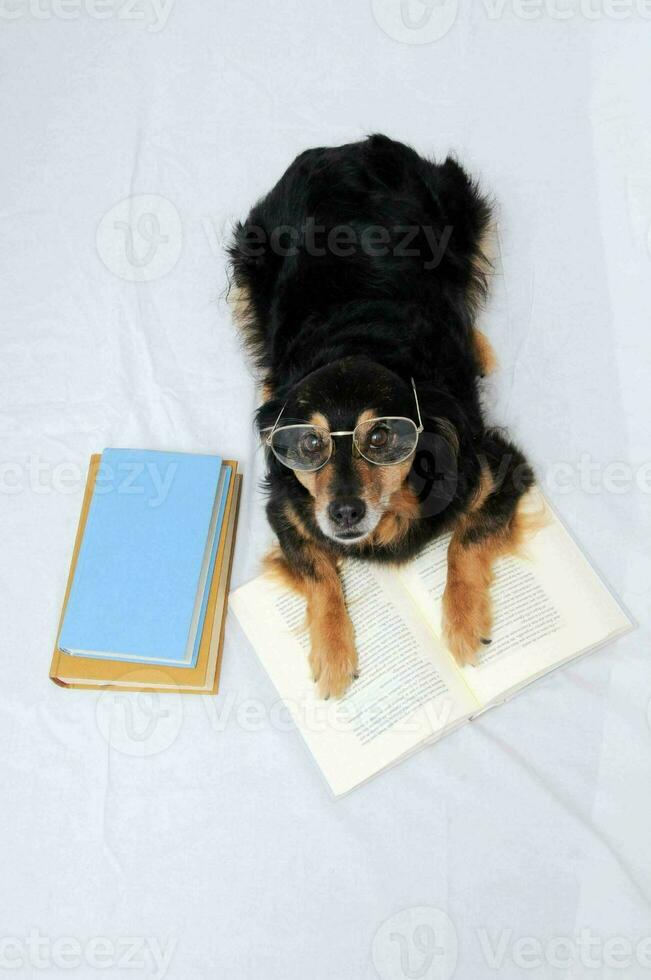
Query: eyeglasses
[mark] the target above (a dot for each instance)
(384, 441)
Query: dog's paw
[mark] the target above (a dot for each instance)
(333, 661)
(467, 620)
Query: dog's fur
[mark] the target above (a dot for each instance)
(337, 327)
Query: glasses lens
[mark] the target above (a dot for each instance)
(301, 447)
(386, 441)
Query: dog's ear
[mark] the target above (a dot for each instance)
(266, 415)
(442, 412)
(463, 217)
(446, 463)
(253, 267)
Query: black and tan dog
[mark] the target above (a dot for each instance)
(357, 280)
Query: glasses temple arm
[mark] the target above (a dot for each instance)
(420, 421)
(271, 428)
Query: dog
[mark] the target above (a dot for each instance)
(357, 284)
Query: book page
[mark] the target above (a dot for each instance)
(548, 607)
(403, 697)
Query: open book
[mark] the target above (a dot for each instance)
(549, 607)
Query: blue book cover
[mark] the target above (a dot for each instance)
(146, 559)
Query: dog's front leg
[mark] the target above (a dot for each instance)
(467, 613)
(333, 657)
(494, 526)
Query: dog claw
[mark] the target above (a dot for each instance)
(485, 641)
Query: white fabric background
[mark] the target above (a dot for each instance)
(178, 822)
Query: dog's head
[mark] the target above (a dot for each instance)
(349, 433)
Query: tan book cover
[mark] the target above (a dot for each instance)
(82, 672)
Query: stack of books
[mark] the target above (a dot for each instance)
(145, 603)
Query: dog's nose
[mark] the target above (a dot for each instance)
(346, 512)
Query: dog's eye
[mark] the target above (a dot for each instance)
(379, 437)
(311, 443)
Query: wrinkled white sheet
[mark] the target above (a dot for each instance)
(200, 830)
